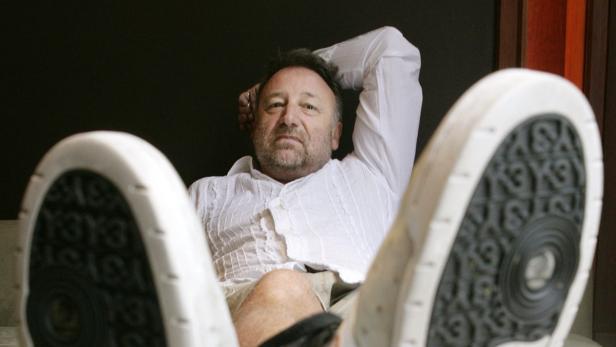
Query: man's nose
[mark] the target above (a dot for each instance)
(290, 115)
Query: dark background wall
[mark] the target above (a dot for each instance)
(171, 72)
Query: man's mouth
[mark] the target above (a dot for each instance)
(287, 138)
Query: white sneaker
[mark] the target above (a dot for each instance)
(496, 232)
(112, 254)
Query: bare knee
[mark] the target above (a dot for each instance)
(284, 286)
(279, 299)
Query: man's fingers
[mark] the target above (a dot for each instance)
(252, 95)
(244, 99)
(245, 117)
(247, 102)
(242, 118)
(244, 109)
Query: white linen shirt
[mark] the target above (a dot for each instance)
(336, 217)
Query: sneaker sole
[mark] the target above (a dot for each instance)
(107, 231)
(502, 211)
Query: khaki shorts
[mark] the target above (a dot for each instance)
(334, 295)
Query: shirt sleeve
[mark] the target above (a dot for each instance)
(386, 67)
(199, 200)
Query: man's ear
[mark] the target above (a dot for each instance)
(336, 133)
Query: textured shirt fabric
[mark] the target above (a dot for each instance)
(335, 218)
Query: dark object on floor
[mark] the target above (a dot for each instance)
(314, 331)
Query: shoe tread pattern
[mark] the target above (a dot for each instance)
(89, 269)
(535, 176)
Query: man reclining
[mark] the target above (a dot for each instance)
(291, 226)
(490, 243)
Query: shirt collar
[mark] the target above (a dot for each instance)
(242, 165)
(246, 165)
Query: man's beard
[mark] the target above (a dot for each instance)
(281, 155)
(287, 156)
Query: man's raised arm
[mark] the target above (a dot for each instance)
(386, 66)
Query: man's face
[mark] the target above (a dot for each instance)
(295, 128)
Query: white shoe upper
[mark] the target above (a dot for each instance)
(193, 307)
(413, 256)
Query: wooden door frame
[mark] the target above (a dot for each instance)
(584, 60)
(602, 82)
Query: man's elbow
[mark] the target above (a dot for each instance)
(392, 43)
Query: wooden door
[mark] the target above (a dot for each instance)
(576, 39)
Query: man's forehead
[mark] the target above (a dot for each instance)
(282, 94)
(300, 79)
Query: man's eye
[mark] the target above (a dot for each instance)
(275, 104)
(310, 107)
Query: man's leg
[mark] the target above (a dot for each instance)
(279, 299)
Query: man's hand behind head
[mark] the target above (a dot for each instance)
(247, 106)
